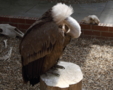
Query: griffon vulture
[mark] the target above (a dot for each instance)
(44, 42)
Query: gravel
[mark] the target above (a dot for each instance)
(94, 56)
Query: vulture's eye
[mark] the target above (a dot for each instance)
(1, 30)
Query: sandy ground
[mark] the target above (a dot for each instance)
(95, 57)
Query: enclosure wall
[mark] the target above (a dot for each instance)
(101, 31)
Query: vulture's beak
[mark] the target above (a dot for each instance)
(74, 27)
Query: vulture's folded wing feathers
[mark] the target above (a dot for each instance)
(40, 41)
(38, 45)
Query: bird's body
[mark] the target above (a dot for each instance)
(42, 46)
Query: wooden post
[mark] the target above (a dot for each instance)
(70, 78)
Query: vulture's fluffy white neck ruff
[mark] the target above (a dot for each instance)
(60, 12)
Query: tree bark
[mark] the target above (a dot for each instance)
(69, 78)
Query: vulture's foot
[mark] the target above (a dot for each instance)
(55, 74)
(52, 72)
(58, 67)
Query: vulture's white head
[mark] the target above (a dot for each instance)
(61, 14)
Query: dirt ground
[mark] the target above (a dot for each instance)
(95, 57)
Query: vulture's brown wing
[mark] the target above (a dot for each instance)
(39, 42)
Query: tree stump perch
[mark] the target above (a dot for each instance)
(69, 78)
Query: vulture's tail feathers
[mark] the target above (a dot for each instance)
(32, 72)
(60, 12)
(33, 81)
(24, 75)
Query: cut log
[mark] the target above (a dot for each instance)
(69, 78)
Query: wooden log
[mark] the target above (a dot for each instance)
(70, 78)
